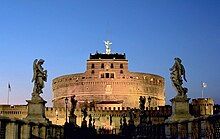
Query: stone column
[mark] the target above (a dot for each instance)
(25, 131)
(11, 131)
(42, 131)
(167, 131)
(35, 130)
(49, 132)
(189, 130)
(203, 129)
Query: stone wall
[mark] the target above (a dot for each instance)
(127, 89)
(100, 114)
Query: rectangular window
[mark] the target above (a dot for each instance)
(102, 75)
(93, 66)
(112, 75)
(112, 66)
(102, 65)
(93, 72)
(106, 75)
(121, 66)
(121, 71)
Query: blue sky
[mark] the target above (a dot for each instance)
(150, 32)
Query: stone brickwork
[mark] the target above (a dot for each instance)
(107, 78)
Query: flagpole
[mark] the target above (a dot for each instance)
(9, 90)
(202, 91)
(8, 97)
(204, 85)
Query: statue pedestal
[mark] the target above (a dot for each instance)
(36, 111)
(84, 124)
(180, 109)
(72, 120)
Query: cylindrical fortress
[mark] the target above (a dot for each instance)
(107, 82)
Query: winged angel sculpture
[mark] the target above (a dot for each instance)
(39, 76)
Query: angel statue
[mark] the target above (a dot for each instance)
(73, 105)
(107, 45)
(177, 75)
(142, 101)
(39, 77)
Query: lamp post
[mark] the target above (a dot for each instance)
(149, 101)
(56, 116)
(66, 101)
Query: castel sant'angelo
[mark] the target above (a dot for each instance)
(111, 92)
(107, 82)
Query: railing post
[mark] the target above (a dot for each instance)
(25, 131)
(11, 130)
(167, 131)
(189, 124)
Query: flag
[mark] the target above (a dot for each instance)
(204, 85)
(9, 87)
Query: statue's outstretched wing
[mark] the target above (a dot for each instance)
(183, 72)
(34, 70)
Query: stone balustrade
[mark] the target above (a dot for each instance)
(19, 129)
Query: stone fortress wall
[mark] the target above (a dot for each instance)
(101, 114)
(107, 80)
(127, 89)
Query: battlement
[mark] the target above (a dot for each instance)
(203, 101)
(107, 56)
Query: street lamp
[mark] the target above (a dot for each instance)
(66, 102)
(149, 101)
(56, 116)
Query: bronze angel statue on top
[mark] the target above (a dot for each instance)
(39, 77)
(177, 75)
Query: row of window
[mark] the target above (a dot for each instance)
(107, 75)
(10, 112)
(103, 66)
(92, 72)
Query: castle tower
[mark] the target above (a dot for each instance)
(202, 106)
(108, 82)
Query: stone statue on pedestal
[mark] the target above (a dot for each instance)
(36, 106)
(84, 111)
(39, 77)
(142, 101)
(90, 121)
(72, 116)
(131, 114)
(142, 115)
(177, 76)
(73, 105)
(180, 103)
